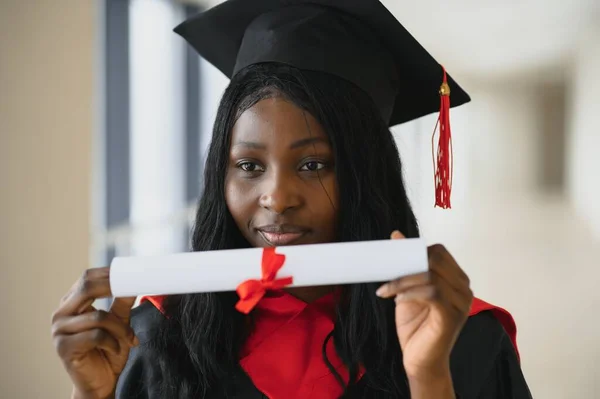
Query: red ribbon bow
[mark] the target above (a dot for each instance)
(252, 291)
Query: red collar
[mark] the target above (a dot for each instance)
(283, 355)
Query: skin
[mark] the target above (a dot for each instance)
(93, 345)
(281, 190)
(280, 185)
(431, 309)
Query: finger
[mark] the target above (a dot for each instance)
(444, 267)
(439, 292)
(390, 289)
(69, 293)
(396, 235)
(98, 319)
(459, 300)
(420, 293)
(437, 296)
(70, 346)
(447, 278)
(444, 264)
(453, 287)
(93, 272)
(92, 285)
(121, 308)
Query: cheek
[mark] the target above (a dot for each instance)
(328, 199)
(238, 199)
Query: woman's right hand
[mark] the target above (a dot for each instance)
(93, 344)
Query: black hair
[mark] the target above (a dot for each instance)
(198, 343)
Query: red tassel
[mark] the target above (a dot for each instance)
(442, 163)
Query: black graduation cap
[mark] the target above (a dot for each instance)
(358, 40)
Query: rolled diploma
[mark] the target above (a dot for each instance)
(224, 270)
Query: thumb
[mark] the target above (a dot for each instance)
(396, 235)
(121, 307)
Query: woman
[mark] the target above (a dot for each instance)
(301, 154)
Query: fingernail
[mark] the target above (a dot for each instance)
(381, 290)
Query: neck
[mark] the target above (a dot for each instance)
(310, 294)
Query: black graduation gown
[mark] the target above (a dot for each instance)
(484, 363)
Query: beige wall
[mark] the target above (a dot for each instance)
(512, 230)
(46, 83)
(583, 140)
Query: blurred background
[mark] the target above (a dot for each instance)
(105, 115)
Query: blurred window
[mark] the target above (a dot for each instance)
(156, 105)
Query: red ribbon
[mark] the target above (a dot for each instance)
(252, 291)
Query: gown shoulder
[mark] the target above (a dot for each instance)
(141, 377)
(141, 371)
(484, 361)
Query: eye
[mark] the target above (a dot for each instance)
(313, 166)
(249, 167)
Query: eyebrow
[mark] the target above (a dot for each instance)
(293, 146)
(249, 144)
(308, 141)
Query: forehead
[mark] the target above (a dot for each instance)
(274, 121)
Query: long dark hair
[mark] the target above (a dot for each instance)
(198, 344)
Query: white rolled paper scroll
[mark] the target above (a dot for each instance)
(309, 265)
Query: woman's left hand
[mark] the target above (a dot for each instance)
(431, 309)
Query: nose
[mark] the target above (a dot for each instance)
(281, 194)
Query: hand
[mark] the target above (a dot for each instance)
(431, 309)
(93, 344)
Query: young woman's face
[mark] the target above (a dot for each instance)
(280, 185)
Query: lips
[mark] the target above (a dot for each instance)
(279, 235)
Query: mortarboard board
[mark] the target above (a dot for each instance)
(357, 40)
